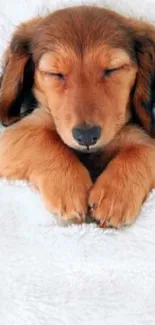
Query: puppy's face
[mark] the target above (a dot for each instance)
(84, 76)
(88, 67)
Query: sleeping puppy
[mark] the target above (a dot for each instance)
(88, 146)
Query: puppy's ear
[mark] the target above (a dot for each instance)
(17, 71)
(144, 91)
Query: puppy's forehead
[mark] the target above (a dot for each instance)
(81, 29)
(67, 61)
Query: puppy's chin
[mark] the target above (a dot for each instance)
(87, 149)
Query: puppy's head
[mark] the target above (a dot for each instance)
(93, 71)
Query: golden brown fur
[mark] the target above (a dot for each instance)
(91, 66)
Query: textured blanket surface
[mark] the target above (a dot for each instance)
(75, 275)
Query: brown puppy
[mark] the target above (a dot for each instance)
(89, 143)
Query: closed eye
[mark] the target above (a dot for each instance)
(54, 74)
(108, 72)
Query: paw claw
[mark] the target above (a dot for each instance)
(103, 223)
(80, 217)
(92, 207)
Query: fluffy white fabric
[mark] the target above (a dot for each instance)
(75, 275)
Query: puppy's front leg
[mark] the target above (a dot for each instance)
(120, 190)
(31, 150)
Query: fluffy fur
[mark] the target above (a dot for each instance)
(84, 66)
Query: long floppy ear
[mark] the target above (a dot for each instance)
(144, 90)
(18, 72)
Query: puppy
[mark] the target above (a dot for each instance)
(88, 145)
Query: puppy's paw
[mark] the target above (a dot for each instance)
(66, 193)
(115, 200)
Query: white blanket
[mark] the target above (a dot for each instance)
(75, 275)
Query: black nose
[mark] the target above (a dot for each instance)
(86, 135)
